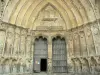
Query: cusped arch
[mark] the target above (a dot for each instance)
(6, 61)
(93, 61)
(14, 62)
(72, 65)
(85, 65)
(78, 65)
(37, 36)
(58, 35)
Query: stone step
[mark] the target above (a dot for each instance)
(50, 74)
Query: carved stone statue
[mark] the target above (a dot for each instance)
(76, 44)
(10, 42)
(22, 46)
(70, 45)
(89, 40)
(16, 44)
(2, 41)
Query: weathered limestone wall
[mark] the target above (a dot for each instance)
(83, 43)
(84, 48)
(17, 49)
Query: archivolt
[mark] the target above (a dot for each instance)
(24, 12)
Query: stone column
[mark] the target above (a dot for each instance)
(32, 45)
(28, 45)
(32, 52)
(49, 55)
(13, 40)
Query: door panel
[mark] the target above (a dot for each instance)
(41, 52)
(59, 55)
(37, 65)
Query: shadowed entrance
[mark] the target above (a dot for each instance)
(44, 65)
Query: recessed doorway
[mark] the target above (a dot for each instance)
(43, 65)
